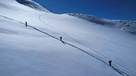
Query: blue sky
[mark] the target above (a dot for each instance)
(111, 9)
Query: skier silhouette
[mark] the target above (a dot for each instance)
(25, 24)
(110, 62)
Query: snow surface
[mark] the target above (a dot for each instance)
(128, 26)
(37, 51)
(33, 4)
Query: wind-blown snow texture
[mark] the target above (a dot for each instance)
(89, 43)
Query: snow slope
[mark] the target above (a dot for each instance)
(33, 4)
(128, 26)
(37, 51)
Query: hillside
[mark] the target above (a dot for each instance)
(86, 48)
(128, 26)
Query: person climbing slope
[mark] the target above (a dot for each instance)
(25, 24)
(110, 62)
(61, 38)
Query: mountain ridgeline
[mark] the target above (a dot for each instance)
(37, 42)
(33, 5)
(128, 26)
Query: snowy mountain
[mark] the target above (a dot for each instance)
(93, 19)
(85, 49)
(33, 4)
(129, 26)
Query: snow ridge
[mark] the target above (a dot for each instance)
(86, 48)
(93, 19)
(33, 5)
(128, 26)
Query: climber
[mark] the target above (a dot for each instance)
(61, 38)
(110, 62)
(25, 24)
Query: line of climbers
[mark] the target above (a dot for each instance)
(62, 41)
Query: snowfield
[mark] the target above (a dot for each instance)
(88, 43)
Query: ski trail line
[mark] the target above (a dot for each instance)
(58, 30)
(105, 57)
(121, 71)
(44, 22)
(40, 18)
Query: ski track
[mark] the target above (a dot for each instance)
(58, 30)
(120, 71)
(72, 37)
(115, 66)
(105, 57)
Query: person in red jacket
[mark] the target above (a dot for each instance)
(61, 38)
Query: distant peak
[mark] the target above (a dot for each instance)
(93, 19)
(33, 5)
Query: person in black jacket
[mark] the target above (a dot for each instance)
(25, 24)
(110, 62)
